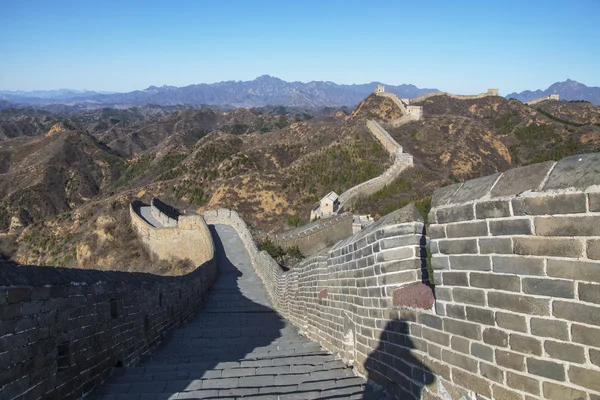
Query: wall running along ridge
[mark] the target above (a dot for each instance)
(490, 92)
(164, 213)
(63, 330)
(190, 238)
(541, 99)
(410, 113)
(517, 287)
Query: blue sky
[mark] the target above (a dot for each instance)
(456, 46)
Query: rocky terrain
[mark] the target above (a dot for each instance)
(66, 179)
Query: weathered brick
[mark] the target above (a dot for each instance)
(589, 292)
(492, 209)
(437, 231)
(585, 335)
(505, 394)
(460, 246)
(455, 214)
(595, 357)
(569, 203)
(469, 296)
(549, 287)
(547, 369)
(511, 321)
(495, 337)
(436, 336)
(518, 265)
(576, 312)
(594, 201)
(523, 383)
(549, 328)
(472, 382)
(440, 262)
(430, 320)
(586, 377)
(467, 229)
(18, 295)
(510, 360)
(519, 303)
(480, 315)
(443, 293)
(453, 278)
(396, 254)
(491, 372)
(578, 171)
(459, 344)
(461, 328)
(520, 226)
(442, 195)
(525, 344)
(565, 351)
(575, 270)
(402, 265)
(456, 311)
(568, 226)
(459, 360)
(476, 263)
(495, 246)
(482, 351)
(553, 391)
(495, 281)
(593, 249)
(553, 247)
(519, 180)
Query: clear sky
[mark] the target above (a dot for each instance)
(456, 46)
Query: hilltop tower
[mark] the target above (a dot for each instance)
(379, 89)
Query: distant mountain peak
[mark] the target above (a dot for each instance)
(567, 90)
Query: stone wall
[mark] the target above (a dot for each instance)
(490, 92)
(164, 213)
(190, 238)
(541, 99)
(317, 235)
(517, 287)
(394, 98)
(63, 330)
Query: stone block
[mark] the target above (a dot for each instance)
(443, 293)
(472, 382)
(576, 312)
(523, 383)
(567, 226)
(593, 249)
(594, 201)
(547, 369)
(576, 270)
(459, 360)
(492, 209)
(505, 394)
(473, 263)
(554, 391)
(464, 329)
(549, 287)
(579, 172)
(469, 296)
(589, 292)
(414, 296)
(442, 195)
(459, 246)
(553, 247)
(491, 372)
(520, 226)
(467, 229)
(525, 344)
(18, 295)
(456, 311)
(585, 377)
(399, 266)
(509, 359)
(495, 246)
(569, 203)
(509, 283)
(519, 180)
(510, 321)
(519, 303)
(495, 337)
(455, 214)
(431, 320)
(460, 344)
(549, 328)
(565, 351)
(437, 231)
(474, 189)
(480, 315)
(401, 253)
(436, 336)
(518, 265)
(482, 351)
(595, 357)
(440, 262)
(454, 278)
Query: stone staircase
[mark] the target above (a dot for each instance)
(237, 346)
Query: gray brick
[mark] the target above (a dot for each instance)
(511, 321)
(442, 195)
(455, 214)
(518, 265)
(594, 201)
(589, 292)
(18, 295)
(492, 209)
(396, 254)
(547, 369)
(436, 336)
(585, 377)
(460, 344)
(568, 226)
(553, 391)
(467, 229)
(503, 393)
(549, 328)
(595, 357)
(565, 351)
(443, 293)
(495, 281)
(474, 189)
(495, 246)
(495, 337)
(578, 171)
(525, 344)
(437, 231)
(523, 383)
(511, 360)
(480, 315)
(477, 263)
(456, 311)
(453, 278)
(465, 329)
(459, 360)
(460, 246)
(491, 372)
(519, 180)
(519, 303)
(575, 270)
(593, 249)
(587, 314)
(520, 226)
(538, 246)
(549, 287)
(472, 382)
(440, 263)
(469, 296)
(482, 351)
(570, 203)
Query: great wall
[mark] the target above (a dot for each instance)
(544, 98)
(511, 310)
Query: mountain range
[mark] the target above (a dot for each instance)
(262, 91)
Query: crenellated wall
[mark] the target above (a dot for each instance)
(63, 330)
(188, 238)
(165, 214)
(490, 92)
(517, 289)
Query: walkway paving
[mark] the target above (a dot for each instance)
(236, 347)
(146, 214)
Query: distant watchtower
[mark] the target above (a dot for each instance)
(379, 89)
(492, 92)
